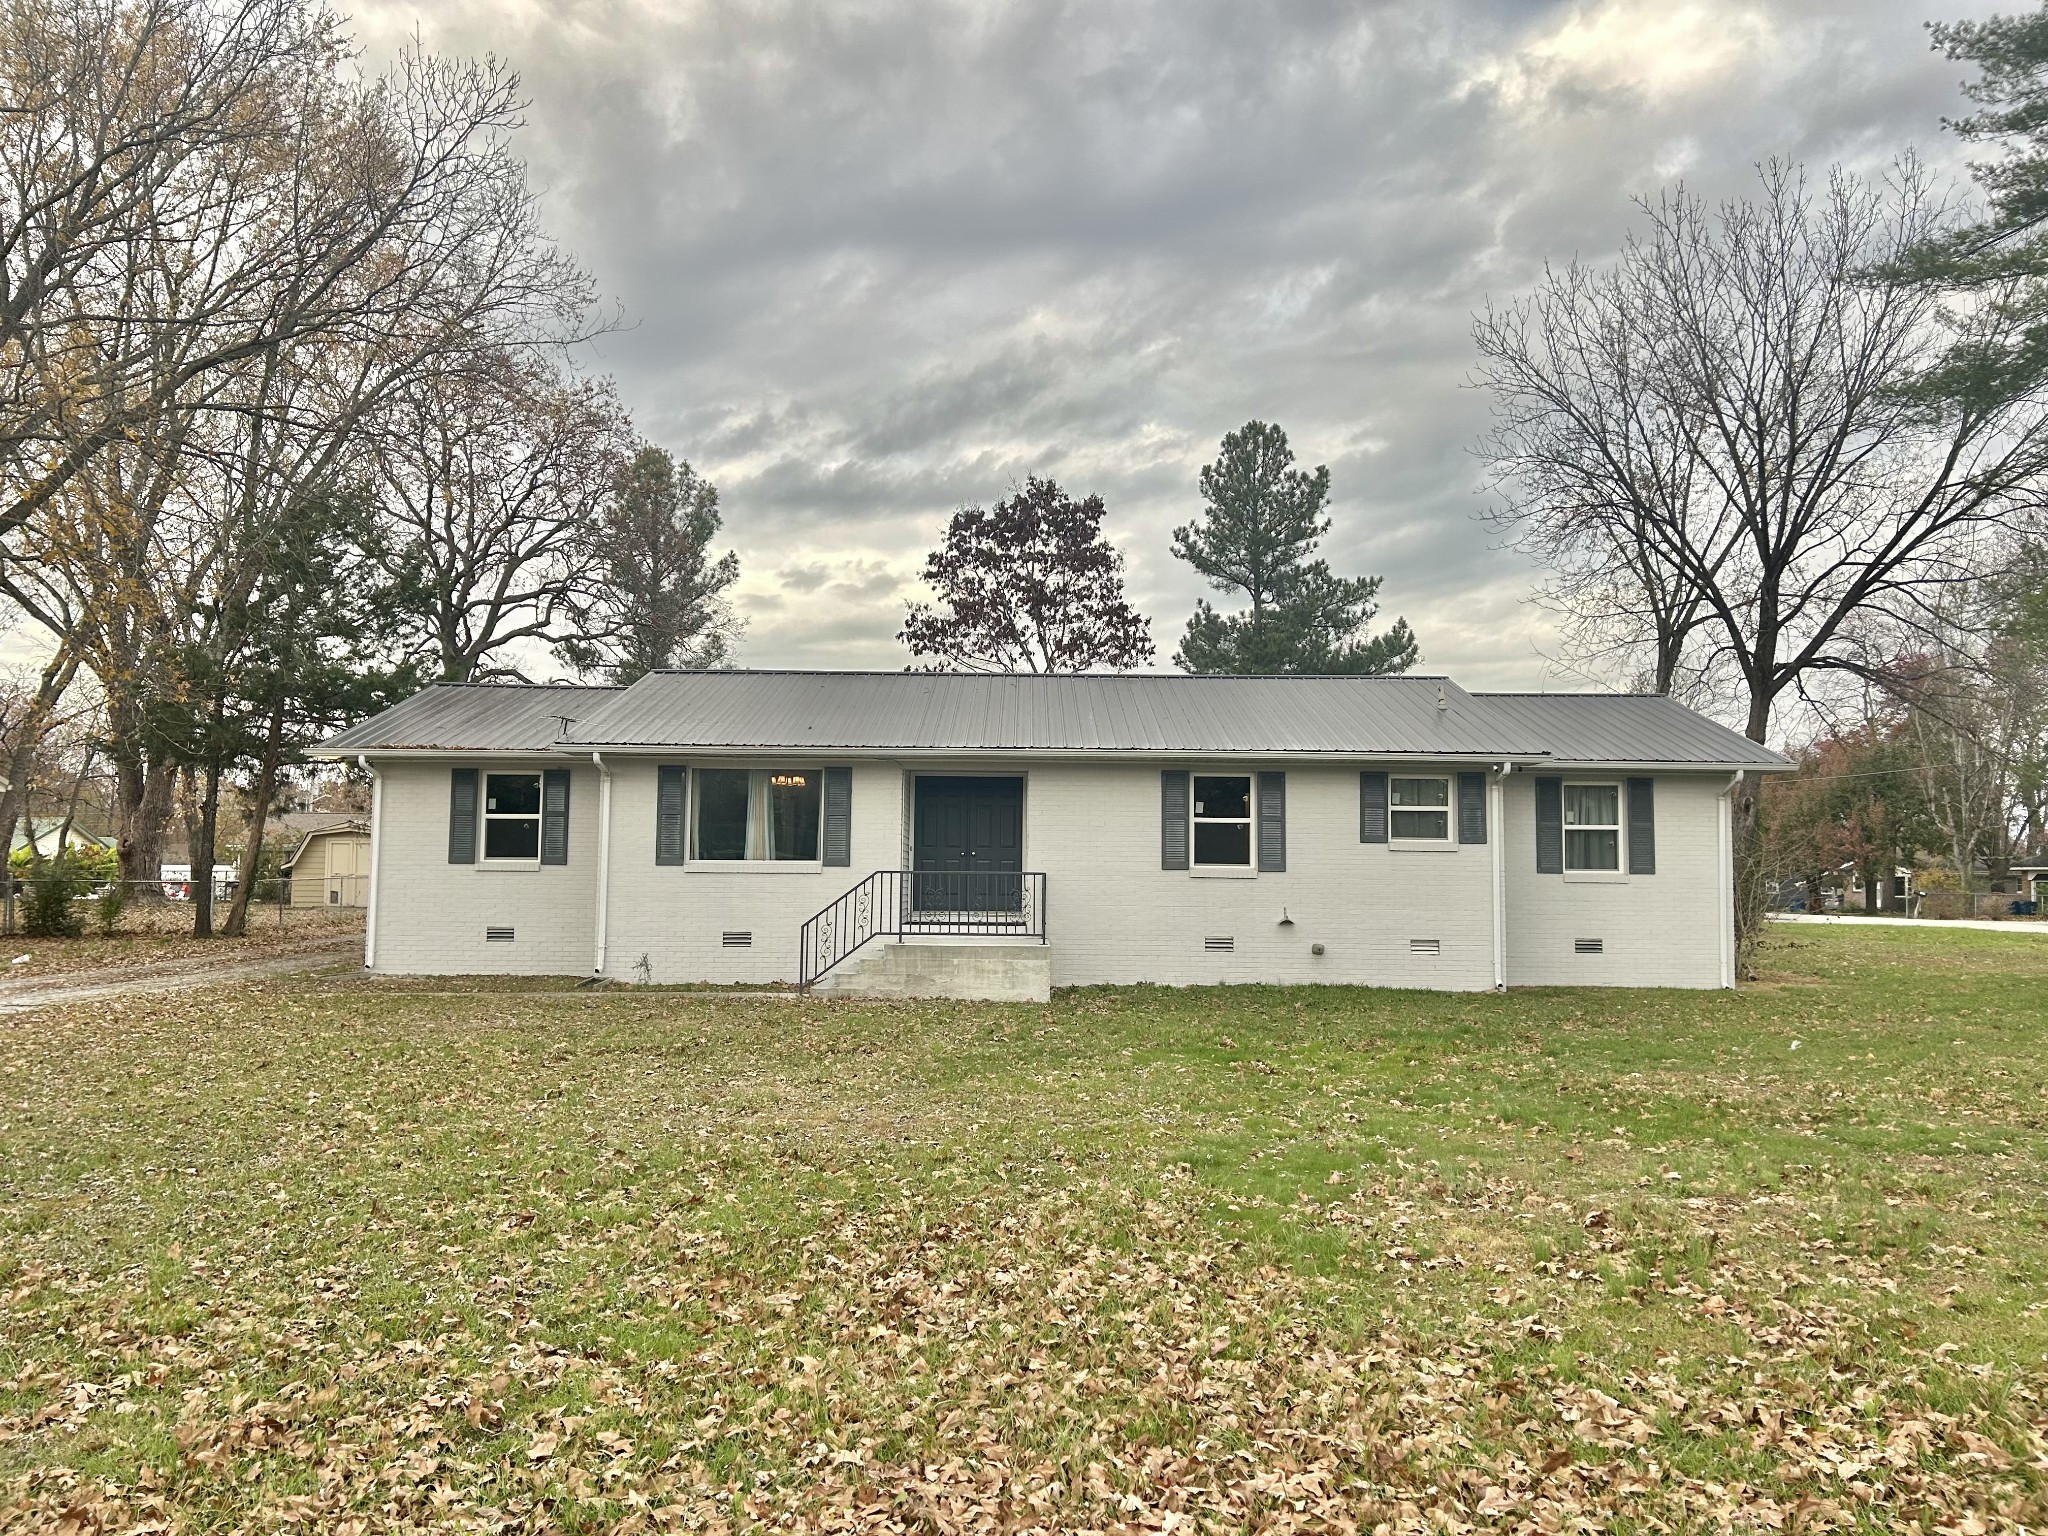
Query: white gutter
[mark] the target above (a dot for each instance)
(604, 855)
(1725, 850)
(376, 850)
(1497, 794)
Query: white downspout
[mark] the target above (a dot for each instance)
(376, 850)
(1725, 826)
(1497, 793)
(604, 854)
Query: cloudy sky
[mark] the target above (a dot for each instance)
(882, 260)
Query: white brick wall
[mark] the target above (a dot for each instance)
(677, 917)
(1115, 915)
(1661, 930)
(431, 915)
(1118, 917)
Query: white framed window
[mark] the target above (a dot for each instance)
(1419, 809)
(511, 818)
(756, 815)
(1592, 827)
(1222, 821)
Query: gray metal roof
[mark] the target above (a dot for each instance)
(1625, 728)
(959, 713)
(965, 712)
(471, 717)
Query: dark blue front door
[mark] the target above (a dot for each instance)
(967, 844)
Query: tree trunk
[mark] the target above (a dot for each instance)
(71, 805)
(1752, 889)
(259, 814)
(145, 793)
(202, 854)
(28, 741)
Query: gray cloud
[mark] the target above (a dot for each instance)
(887, 258)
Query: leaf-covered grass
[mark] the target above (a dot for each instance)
(157, 935)
(343, 1256)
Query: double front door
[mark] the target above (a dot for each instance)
(967, 844)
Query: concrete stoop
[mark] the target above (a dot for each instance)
(985, 972)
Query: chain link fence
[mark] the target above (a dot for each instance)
(109, 907)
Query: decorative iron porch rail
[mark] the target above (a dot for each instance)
(903, 903)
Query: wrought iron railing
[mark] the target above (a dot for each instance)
(903, 903)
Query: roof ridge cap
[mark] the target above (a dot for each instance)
(1023, 677)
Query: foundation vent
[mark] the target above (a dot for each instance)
(1218, 944)
(498, 935)
(1425, 946)
(739, 939)
(1589, 946)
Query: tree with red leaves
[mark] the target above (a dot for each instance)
(1028, 585)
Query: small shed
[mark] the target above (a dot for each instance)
(331, 866)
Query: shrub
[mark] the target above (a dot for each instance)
(50, 911)
(109, 905)
(97, 864)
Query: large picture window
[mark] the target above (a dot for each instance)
(757, 813)
(1223, 821)
(1420, 810)
(512, 816)
(1592, 826)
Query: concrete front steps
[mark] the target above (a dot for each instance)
(989, 970)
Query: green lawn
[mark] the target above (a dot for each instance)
(329, 1256)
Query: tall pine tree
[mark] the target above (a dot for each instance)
(1257, 536)
(658, 600)
(2000, 260)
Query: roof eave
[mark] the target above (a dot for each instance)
(1700, 765)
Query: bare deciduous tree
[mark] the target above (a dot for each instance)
(223, 256)
(494, 477)
(1728, 412)
(318, 208)
(1719, 443)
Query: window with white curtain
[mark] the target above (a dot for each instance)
(757, 814)
(1592, 826)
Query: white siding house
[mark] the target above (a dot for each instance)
(967, 835)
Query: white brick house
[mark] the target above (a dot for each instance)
(970, 835)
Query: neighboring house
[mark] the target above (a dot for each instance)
(993, 835)
(1894, 895)
(47, 835)
(331, 865)
(2030, 881)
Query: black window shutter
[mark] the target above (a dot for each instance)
(1173, 819)
(670, 780)
(554, 816)
(1273, 822)
(1642, 826)
(462, 816)
(1372, 807)
(1550, 826)
(837, 836)
(1471, 807)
